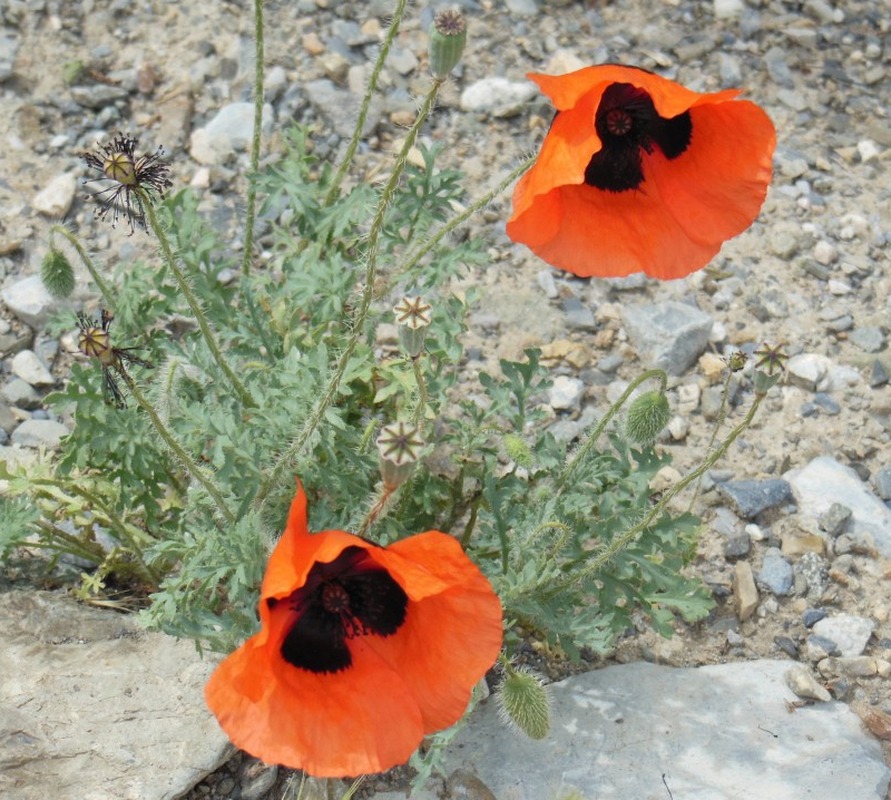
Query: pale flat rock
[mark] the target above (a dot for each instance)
(56, 198)
(92, 707)
(824, 481)
(714, 732)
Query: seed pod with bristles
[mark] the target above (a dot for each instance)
(524, 702)
(647, 416)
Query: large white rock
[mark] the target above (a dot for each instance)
(92, 707)
(711, 733)
(824, 481)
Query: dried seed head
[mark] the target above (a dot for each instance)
(134, 180)
(399, 446)
(448, 35)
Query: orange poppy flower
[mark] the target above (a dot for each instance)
(639, 174)
(362, 650)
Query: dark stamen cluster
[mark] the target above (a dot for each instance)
(627, 123)
(133, 179)
(346, 598)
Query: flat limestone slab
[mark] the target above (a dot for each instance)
(94, 708)
(715, 733)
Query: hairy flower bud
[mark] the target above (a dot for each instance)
(524, 702)
(647, 416)
(448, 35)
(57, 273)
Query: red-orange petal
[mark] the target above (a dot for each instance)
(451, 637)
(372, 715)
(362, 720)
(684, 209)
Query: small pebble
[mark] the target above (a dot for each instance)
(803, 684)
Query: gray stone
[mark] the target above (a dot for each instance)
(812, 616)
(822, 11)
(93, 707)
(749, 498)
(29, 300)
(668, 335)
(728, 9)
(824, 481)
(39, 433)
(882, 482)
(776, 574)
(522, 8)
(800, 680)
(20, 394)
(870, 340)
(566, 393)
(341, 107)
(55, 199)
(619, 730)
(98, 95)
(545, 280)
(730, 70)
(230, 131)
(27, 366)
(834, 519)
(812, 568)
(9, 46)
(850, 633)
(878, 375)
(497, 96)
(808, 370)
(578, 316)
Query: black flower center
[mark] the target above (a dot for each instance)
(627, 123)
(348, 597)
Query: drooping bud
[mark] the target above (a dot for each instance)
(736, 361)
(413, 319)
(399, 446)
(517, 450)
(647, 416)
(57, 273)
(524, 702)
(448, 35)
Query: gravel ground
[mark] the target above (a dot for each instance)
(811, 273)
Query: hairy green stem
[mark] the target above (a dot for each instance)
(360, 315)
(203, 325)
(373, 79)
(187, 462)
(591, 442)
(719, 421)
(107, 294)
(421, 382)
(601, 557)
(251, 214)
(461, 218)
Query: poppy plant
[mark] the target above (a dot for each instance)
(639, 174)
(362, 650)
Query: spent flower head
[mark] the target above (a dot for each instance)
(448, 35)
(95, 342)
(769, 367)
(413, 318)
(133, 179)
(399, 446)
